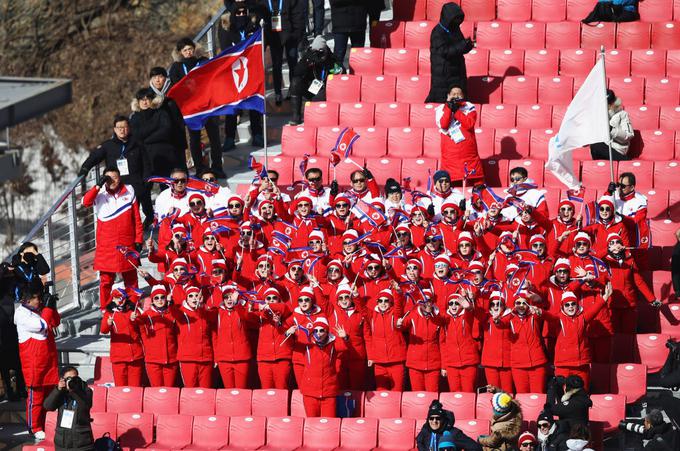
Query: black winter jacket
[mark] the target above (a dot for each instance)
(293, 19)
(154, 128)
(79, 437)
(111, 150)
(448, 47)
(428, 440)
(571, 408)
(349, 16)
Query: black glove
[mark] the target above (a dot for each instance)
(138, 247)
(51, 300)
(367, 173)
(104, 180)
(469, 45)
(430, 210)
(334, 188)
(461, 205)
(559, 380)
(453, 105)
(611, 188)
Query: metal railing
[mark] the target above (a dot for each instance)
(65, 234)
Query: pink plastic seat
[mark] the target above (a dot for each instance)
(173, 432)
(477, 62)
(634, 88)
(382, 404)
(396, 434)
(98, 398)
(520, 90)
(549, 10)
(485, 89)
(609, 409)
(461, 404)
(498, 115)
(320, 434)
(541, 62)
(372, 142)
(124, 399)
(417, 34)
(578, 9)
(538, 143)
(270, 402)
(379, 88)
(161, 400)
(527, 35)
(506, 62)
(618, 62)
(644, 116)
(652, 351)
(626, 379)
(657, 144)
(555, 90)
(415, 404)
(512, 143)
(246, 433)
(633, 35)
(665, 35)
(648, 62)
(284, 433)
(366, 61)
(493, 35)
(412, 88)
(601, 34)
(319, 114)
(576, 62)
(234, 402)
(360, 434)
(405, 142)
(534, 116)
(662, 91)
(343, 88)
(563, 35)
(359, 114)
(298, 140)
(422, 115)
(660, 11)
(388, 34)
(209, 432)
(135, 430)
(398, 61)
(476, 10)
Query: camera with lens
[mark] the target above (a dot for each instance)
(49, 299)
(75, 383)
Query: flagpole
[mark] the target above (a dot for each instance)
(609, 141)
(264, 115)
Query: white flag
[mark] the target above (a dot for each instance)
(585, 122)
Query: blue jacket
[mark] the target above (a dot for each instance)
(628, 5)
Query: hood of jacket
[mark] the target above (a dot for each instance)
(155, 104)
(198, 52)
(509, 424)
(576, 444)
(449, 12)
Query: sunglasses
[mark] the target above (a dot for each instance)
(518, 303)
(582, 244)
(443, 180)
(264, 266)
(435, 418)
(319, 331)
(449, 211)
(198, 203)
(476, 271)
(314, 241)
(382, 301)
(362, 180)
(452, 303)
(246, 232)
(303, 204)
(209, 179)
(343, 297)
(271, 298)
(373, 267)
(341, 205)
(616, 242)
(178, 235)
(544, 425)
(538, 245)
(566, 209)
(218, 271)
(314, 179)
(304, 299)
(412, 267)
(158, 298)
(401, 234)
(432, 239)
(209, 238)
(333, 269)
(296, 268)
(465, 245)
(234, 205)
(570, 304)
(441, 265)
(562, 271)
(178, 181)
(527, 445)
(495, 303)
(347, 243)
(516, 179)
(605, 209)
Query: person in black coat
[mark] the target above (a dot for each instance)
(675, 266)
(236, 25)
(570, 404)
(284, 28)
(657, 434)
(160, 83)
(348, 18)
(72, 399)
(129, 156)
(186, 58)
(153, 128)
(438, 421)
(448, 47)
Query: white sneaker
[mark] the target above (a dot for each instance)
(39, 436)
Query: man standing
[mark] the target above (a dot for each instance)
(160, 83)
(72, 399)
(127, 154)
(118, 226)
(38, 353)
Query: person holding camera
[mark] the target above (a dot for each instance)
(439, 432)
(456, 121)
(35, 318)
(72, 399)
(656, 433)
(119, 227)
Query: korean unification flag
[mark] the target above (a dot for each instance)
(585, 122)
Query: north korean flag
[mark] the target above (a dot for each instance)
(233, 80)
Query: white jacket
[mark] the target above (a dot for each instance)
(620, 128)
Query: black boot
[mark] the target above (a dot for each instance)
(296, 105)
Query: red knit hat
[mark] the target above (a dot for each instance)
(197, 196)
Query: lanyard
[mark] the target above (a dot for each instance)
(278, 10)
(444, 28)
(74, 403)
(122, 151)
(184, 66)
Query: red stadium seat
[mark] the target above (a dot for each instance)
(409, 10)
(562, 35)
(659, 11)
(477, 62)
(485, 89)
(134, 430)
(666, 174)
(422, 115)
(644, 116)
(103, 373)
(633, 35)
(493, 35)
(384, 168)
(633, 87)
(485, 141)
(366, 61)
(506, 62)
(549, 10)
(669, 315)
(533, 167)
(373, 142)
(576, 63)
(234, 402)
(648, 63)
(594, 172)
(673, 63)
(643, 170)
(379, 88)
(626, 378)
(538, 143)
(473, 428)
(405, 142)
(98, 398)
(520, 90)
(382, 404)
(297, 406)
(400, 61)
(124, 399)
(618, 63)
(284, 433)
(396, 434)
(652, 349)
(527, 35)
(578, 9)
(102, 422)
(663, 233)
(326, 138)
(388, 34)
(161, 400)
(543, 62)
(656, 145)
(483, 409)
(424, 62)
(532, 404)
(197, 401)
(665, 35)
(412, 89)
(512, 144)
(673, 206)
(609, 409)
(513, 10)
(594, 36)
(298, 140)
(270, 402)
(358, 114)
(495, 172)
(321, 434)
(558, 115)
(536, 116)
(319, 114)
(343, 88)
(246, 433)
(360, 434)
(461, 404)
(662, 91)
(417, 34)
(416, 169)
(657, 202)
(209, 432)
(173, 431)
(668, 115)
(434, 9)
(555, 90)
(415, 404)
(344, 170)
(663, 289)
(476, 10)
(498, 115)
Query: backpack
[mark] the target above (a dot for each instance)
(106, 443)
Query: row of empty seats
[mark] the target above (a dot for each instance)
(535, 35)
(519, 10)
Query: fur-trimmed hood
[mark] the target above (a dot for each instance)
(505, 430)
(198, 53)
(155, 104)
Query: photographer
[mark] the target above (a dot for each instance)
(656, 433)
(119, 228)
(431, 436)
(72, 398)
(35, 318)
(568, 399)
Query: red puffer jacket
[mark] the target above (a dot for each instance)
(320, 375)
(271, 342)
(496, 349)
(230, 336)
(458, 347)
(305, 322)
(354, 323)
(423, 352)
(37, 349)
(126, 345)
(526, 347)
(625, 279)
(386, 343)
(195, 333)
(159, 336)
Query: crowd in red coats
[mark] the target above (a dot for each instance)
(362, 289)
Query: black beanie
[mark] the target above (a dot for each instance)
(392, 186)
(574, 381)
